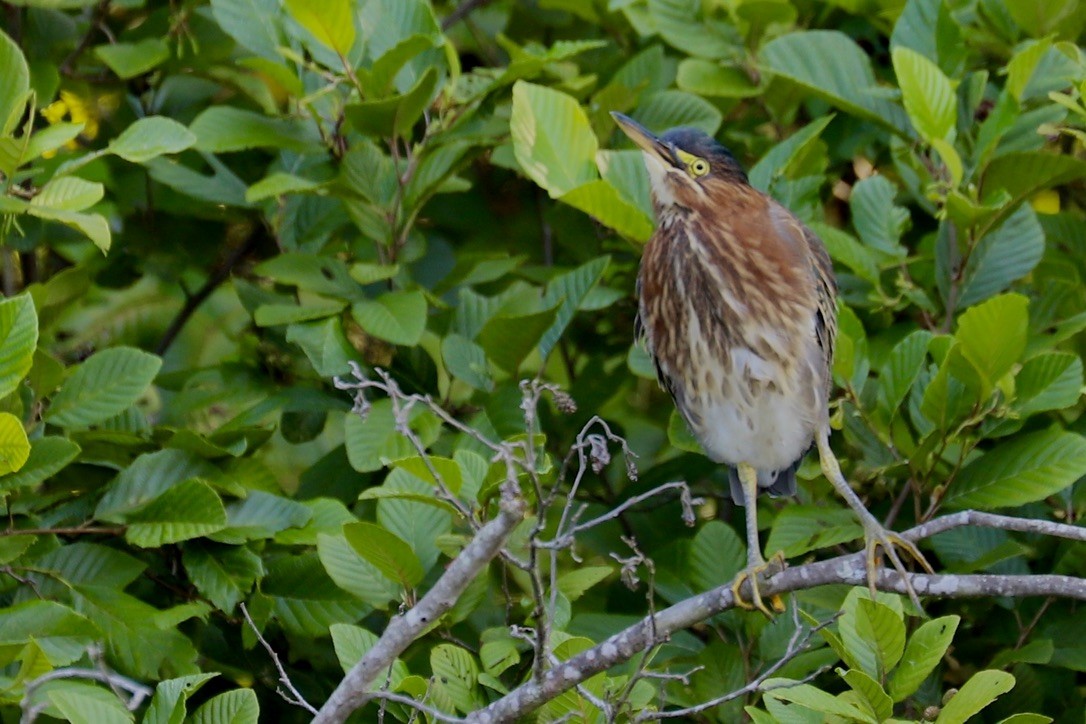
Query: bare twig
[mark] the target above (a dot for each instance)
(291, 695)
(688, 502)
(799, 642)
(417, 705)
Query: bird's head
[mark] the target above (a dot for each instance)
(686, 166)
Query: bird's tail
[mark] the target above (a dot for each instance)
(776, 483)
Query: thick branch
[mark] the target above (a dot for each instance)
(848, 569)
(402, 630)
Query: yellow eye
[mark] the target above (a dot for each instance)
(699, 167)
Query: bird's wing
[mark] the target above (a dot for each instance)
(826, 286)
(821, 268)
(641, 337)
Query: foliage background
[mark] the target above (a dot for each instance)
(210, 208)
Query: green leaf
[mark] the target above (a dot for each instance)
(239, 706)
(188, 510)
(992, 336)
(981, 690)
(929, 96)
(670, 108)
(331, 22)
(255, 24)
(813, 698)
(455, 674)
(353, 573)
(602, 201)
(778, 158)
(374, 442)
(168, 703)
(798, 529)
(13, 91)
(875, 634)
(552, 139)
(683, 25)
(385, 550)
(14, 447)
(151, 137)
(81, 703)
(384, 70)
(716, 555)
(1021, 470)
(93, 226)
(509, 339)
(1002, 256)
(466, 361)
(129, 60)
(1024, 173)
(62, 633)
(1049, 381)
(48, 456)
(923, 653)
(568, 291)
(447, 469)
(305, 600)
(274, 315)
(396, 115)
(902, 368)
(225, 575)
(106, 384)
(878, 220)
(134, 638)
(352, 643)
(419, 524)
(396, 317)
(832, 66)
(280, 184)
(260, 515)
(324, 344)
(148, 477)
(870, 692)
(18, 339)
(68, 193)
(708, 79)
(222, 129)
(573, 584)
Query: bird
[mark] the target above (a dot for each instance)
(737, 309)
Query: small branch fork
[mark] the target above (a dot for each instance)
(592, 451)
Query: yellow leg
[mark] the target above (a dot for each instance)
(756, 564)
(875, 536)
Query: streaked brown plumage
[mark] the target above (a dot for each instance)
(737, 307)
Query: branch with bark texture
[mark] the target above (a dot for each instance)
(848, 569)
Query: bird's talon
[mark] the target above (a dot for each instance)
(888, 541)
(776, 604)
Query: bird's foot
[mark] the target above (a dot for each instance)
(753, 572)
(876, 537)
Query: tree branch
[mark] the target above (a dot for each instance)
(847, 569)
(403, 630)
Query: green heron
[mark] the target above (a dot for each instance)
(737, 308)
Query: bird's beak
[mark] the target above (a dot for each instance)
(645, 140)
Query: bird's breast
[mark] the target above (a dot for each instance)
(735, 343)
